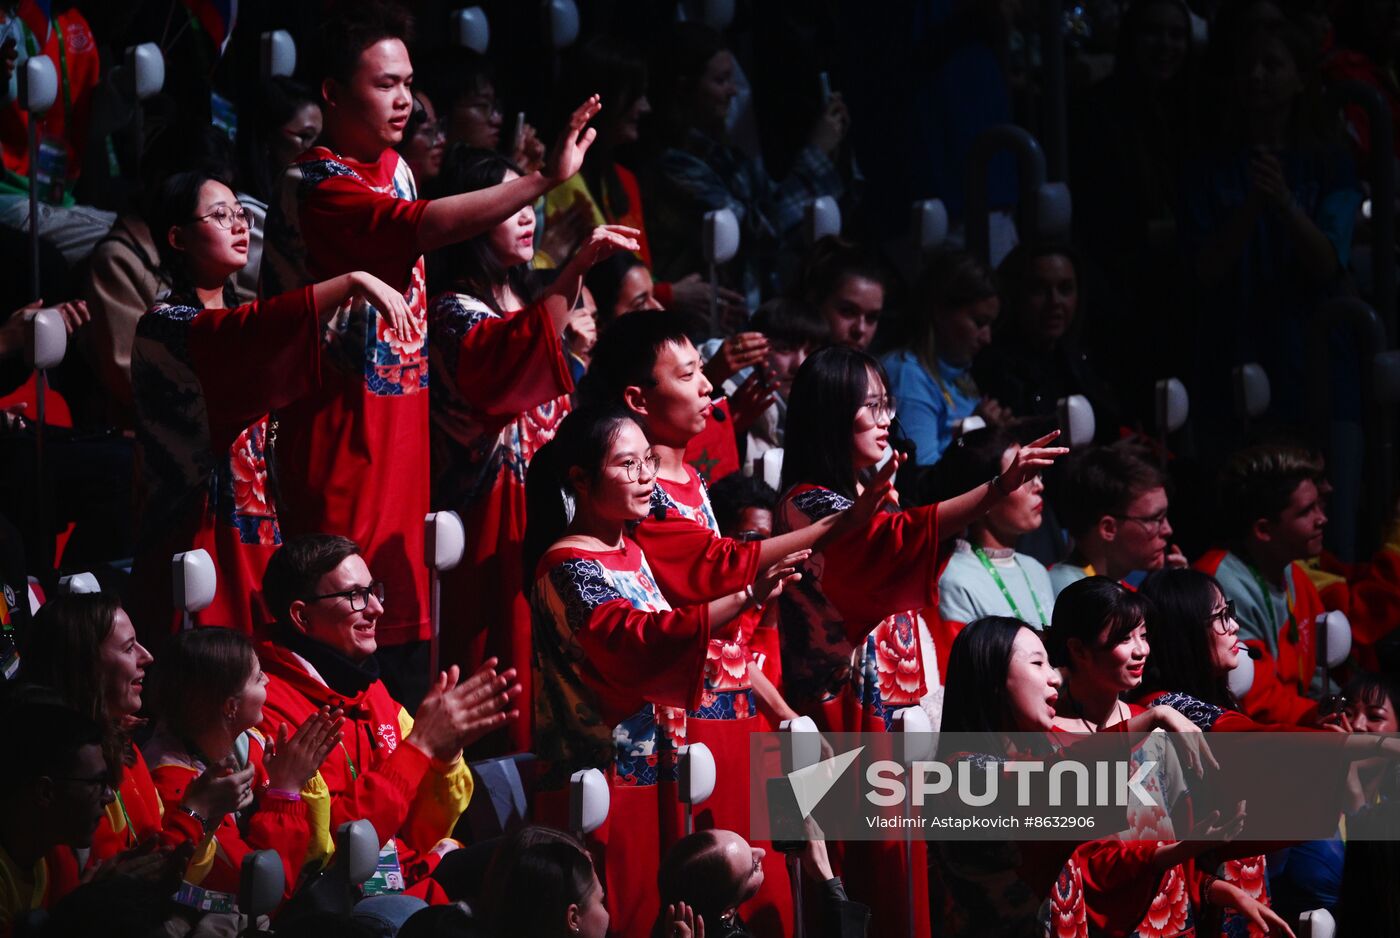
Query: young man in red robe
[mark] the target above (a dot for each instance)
(353, 457)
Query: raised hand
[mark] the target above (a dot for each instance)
(770, 582)
(456, 712)
(681, 921)
(292, 760)
(565, 158)
(1030, 461)
(735, 354)
(602, 243)
(691, 294)
(529, 150)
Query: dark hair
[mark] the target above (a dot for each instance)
(582, 441)
(1125, 64)
(972, 459)
(1088, 607)
(452, 73)
(626, 353)
(417, 117)
(1258, 482)
(175, 204)
(791, 322)
(1372, 689)
(614, 69)
(1179, 631)
(604, 280)
(1103, 480)
(278, 101)
(695, 871)
(951, 280)
(197, 671)
(45, 738)
(735, 492)
(64, 652)
(544, 879)
(827, 393)
(115, 906)
(357, 25)
(677, 66)
(298, 565)
(443, 921)
(974, 695)
(471, 266)
(830, 261)
(1014, 275)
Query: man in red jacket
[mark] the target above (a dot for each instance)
(403, 774)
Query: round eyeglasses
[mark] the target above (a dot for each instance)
(224, 217)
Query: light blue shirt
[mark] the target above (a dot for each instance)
(926, 411)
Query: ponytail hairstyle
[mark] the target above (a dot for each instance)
(1084, 609)
(471, 266)
(174, 206)
(198, 671)
(582, 441)
(1178, 628)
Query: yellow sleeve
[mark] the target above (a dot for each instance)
(316, 795)
(441, 799)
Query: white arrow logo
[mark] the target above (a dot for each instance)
(811, 784)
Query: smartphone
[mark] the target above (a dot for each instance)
(517, 135)
(825, 80)
(785, 826)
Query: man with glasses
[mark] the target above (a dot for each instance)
(404, 774)
(1269, 500)
(53, 793)
(1113, 503)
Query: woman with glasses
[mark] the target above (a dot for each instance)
(616, 667)
(423, 141)
(205, 375)
(500, 384)
(856, 643)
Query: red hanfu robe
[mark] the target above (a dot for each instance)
(499, 391)
(1369, 594)
(728, 711)
(271, 824)
(853, 648)
(352, 458)
(616, 670)
(203, 382)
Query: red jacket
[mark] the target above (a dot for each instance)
(405, 794)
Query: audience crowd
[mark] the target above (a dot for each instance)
(834, 477)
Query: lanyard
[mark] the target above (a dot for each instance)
(349, 762)
(130, 831)
(34, 50)
(1006, 593)
(1288, 605)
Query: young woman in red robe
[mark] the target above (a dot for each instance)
(616, 666)
(500, 385)
(205, 374)
(210, 690)
(856, 647)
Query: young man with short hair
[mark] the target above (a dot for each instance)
(404, 774)
(352, 458)
(1114, 504)
(1274, 521)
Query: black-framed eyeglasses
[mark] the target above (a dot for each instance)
(1220, 621)
(881, 408)
(1151, 522)
(359, 596)
(633, 468)
(224, 217)
(748, 536)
